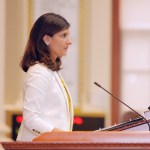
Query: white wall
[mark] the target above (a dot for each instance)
(96, 56)
(135, 49)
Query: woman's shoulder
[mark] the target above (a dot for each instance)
(39, 75)
(39, 68)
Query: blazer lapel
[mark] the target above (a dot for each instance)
(57, 76)
(61, 87)
(71, 106)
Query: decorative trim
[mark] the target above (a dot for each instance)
(82, 60)
(30, 14)
(115, 61)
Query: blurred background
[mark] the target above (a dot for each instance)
(111, 45)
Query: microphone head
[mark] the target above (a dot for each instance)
(97, 84)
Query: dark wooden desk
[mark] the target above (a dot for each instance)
(105, 140)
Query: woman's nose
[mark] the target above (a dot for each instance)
(69, 42)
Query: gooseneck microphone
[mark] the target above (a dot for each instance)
(123, 103)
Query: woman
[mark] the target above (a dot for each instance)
(47, 105)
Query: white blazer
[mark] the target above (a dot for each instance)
(45, 104)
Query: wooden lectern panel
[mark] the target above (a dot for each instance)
(105, 140)
(95, 137)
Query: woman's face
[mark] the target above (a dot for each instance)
(59, 43)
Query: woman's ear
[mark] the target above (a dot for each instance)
(46, 39)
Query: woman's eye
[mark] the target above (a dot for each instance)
(64, 35)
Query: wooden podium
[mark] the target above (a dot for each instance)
(135, 135)
(115, 140)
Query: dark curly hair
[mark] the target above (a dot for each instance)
(36, 50)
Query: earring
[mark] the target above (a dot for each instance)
(47, 43)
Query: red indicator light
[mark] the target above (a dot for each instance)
(78, 120)
(19, 119)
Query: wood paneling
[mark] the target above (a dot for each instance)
(115, 61)
(85, 141)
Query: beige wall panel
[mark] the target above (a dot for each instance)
(16, 35)
(96, 55)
